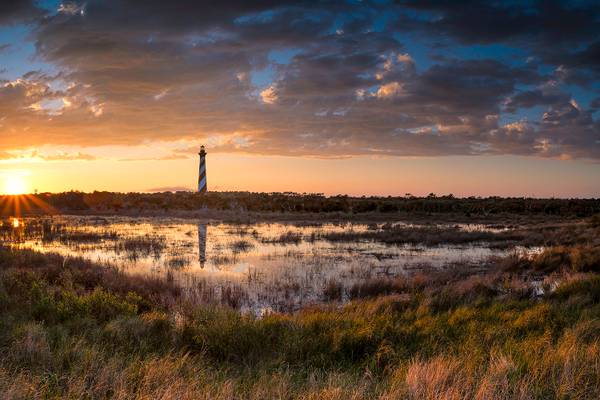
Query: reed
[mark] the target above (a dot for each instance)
(70, 328)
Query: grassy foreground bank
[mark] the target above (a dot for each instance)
(73, 329)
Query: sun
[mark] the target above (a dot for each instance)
(15, 184)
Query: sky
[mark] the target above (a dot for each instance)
(473, 98)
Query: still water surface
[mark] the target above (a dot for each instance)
(257, 267)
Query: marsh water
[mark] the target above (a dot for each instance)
(257, 267)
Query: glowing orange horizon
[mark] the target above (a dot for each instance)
(462, 176)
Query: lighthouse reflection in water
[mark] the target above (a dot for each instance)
(202, 243)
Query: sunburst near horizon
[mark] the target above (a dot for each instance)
(15, 184)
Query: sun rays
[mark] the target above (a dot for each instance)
(15, 198)
(19, 205)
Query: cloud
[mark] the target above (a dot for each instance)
(5, 155)
(547, 22)
(181, 71)
(269, 95)
(170, 189)
(389, 90)
(66, 157)
(174, 156)
(71, 8)
(32, 154)
(548, 29)
(588, 57)
(532, 98)
(13, 11)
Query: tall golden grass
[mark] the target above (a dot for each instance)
(79, 330)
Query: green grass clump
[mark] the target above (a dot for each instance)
(72, 329)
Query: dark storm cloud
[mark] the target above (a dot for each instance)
(340, 65)
(550, 29)
(474, 86)
(14, 11)
(589, 57)
(537, 97)
(323, 79)
(567, 114)
(538, 22)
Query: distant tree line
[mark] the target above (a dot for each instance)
(107, 202)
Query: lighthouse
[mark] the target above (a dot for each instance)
(202, 188)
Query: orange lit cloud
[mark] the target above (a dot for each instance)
(158, 74)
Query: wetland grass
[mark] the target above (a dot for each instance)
(424, 235)
(240, 246)
(288, 237)
(76, 329)
(525, 326)
(141, 246)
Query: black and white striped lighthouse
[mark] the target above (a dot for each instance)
(202, 188)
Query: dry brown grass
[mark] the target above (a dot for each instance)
(78, 330)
